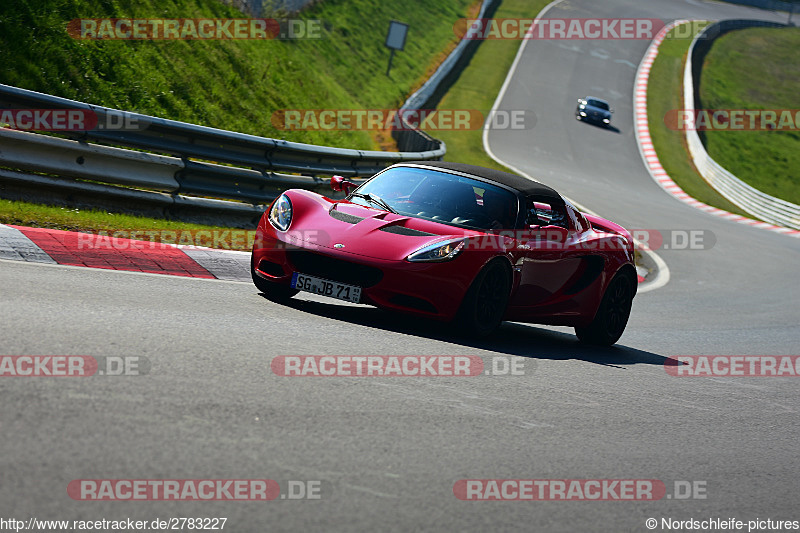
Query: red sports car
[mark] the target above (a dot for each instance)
(451, 242)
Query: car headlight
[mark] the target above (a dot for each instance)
(280, 215)
(606, 120)
(583, 113)
(438, 251)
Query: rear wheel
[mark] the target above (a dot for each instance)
(612, 316)
(486, 300)
(273, 291)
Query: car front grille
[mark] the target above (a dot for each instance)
(334, 269)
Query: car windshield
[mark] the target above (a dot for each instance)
(597, 103)
(442, 197)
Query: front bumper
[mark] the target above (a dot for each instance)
(433, 290)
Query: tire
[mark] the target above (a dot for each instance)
(486, 300)
(273, 291)
(612, 315)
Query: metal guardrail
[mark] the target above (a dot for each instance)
(189, 140)
(748, 198)
(64, 157)
(432, 91)
(180, 154)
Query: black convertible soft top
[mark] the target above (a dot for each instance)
(526, 186)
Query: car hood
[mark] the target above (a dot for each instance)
(352, 229)
(596, 111)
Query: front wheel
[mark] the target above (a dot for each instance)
(486, 300)
(612, 315)
(273, 291)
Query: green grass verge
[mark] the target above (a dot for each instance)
(93, 221)
(755, 68)
(73, 219)
(665, 93)
(121, 225)
(478, 85)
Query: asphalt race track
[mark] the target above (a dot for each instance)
(388, 451)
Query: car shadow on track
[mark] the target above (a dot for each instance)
(608, 127)
(524, 340)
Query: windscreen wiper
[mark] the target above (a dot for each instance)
(375, 199)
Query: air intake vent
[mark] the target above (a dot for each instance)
(412, 302)
(592, 268)
(400, 230)
(272, 269)
(344, 217)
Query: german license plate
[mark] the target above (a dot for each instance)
(324, 287)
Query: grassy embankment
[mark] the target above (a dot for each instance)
(756, 68)
(230, 84)
(762, 158)
(665, 93)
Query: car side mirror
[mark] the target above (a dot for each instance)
(338, 184)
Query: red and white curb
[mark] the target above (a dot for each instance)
(648, 152)
(58, 247)
(51, 246)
